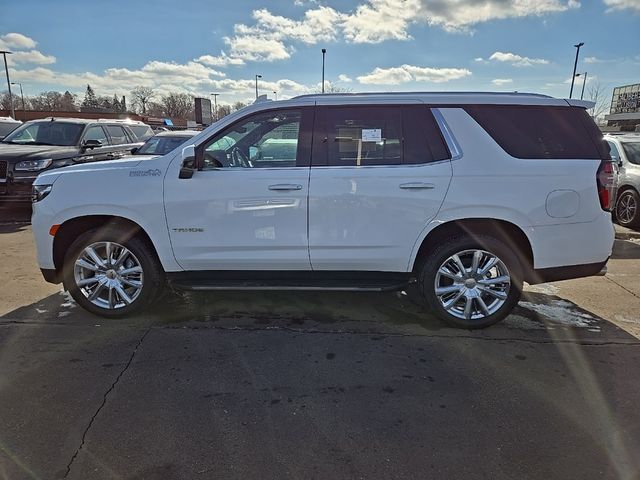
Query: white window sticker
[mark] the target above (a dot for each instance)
(371, 134)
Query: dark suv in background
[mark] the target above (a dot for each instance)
(41, 145)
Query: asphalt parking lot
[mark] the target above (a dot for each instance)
(301, 385)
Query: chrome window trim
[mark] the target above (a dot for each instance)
(454, 147)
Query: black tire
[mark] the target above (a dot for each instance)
(152, 272)
(456, 245)
(628, 208)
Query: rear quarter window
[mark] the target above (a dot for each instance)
(528, 131)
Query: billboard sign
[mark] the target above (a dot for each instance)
(626, 99)
(203, 111)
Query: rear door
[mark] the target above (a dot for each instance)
(120, 141)
(379, 175)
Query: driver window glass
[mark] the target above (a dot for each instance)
(264, 140)
(96, 133)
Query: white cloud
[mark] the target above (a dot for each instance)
(622, 5)
(411, 73)
(17, 41)
(517, 60)
(344, 78)
(271, 37)
(31, 56)
(221, 60)
(592, 60)
(379, 20)
(502, 81)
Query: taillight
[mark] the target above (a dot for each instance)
(606, 181)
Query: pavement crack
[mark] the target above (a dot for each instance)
(587, 343)
(621, 286)
(104, 401)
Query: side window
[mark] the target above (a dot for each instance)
(528, 131)
(95, 132)
(117, 134)
(615, 155)
(423, 141)
(266, 139)
(358, 136)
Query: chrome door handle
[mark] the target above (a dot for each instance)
(417, 186)
(285, 186)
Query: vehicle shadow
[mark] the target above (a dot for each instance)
(626, 250)
(13, 227)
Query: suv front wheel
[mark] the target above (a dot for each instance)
(111, 273)
(471, 282)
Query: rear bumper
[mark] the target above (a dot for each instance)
(555, 274)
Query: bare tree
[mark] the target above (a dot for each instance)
(330, 87)
(223, 110)
(596, 92)
(141, 97)
(178, 105)
(5, 103)
(237, 106)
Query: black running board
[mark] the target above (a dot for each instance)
(290, 280)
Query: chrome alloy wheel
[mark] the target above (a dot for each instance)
(626, 208)
(472, 284)
(108, 275)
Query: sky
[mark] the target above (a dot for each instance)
(203, 47)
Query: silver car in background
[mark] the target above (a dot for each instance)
(625, 150)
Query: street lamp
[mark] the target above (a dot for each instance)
(575, 65)
(257, 77)
(215, 103)
(276, 94)
(6, 69)
(21, 94)
(584, 82)
(324, 52)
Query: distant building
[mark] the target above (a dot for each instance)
(625, 108)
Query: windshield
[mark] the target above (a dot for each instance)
(46, 133)
(143, 132)
(632, 149)
(161, 145)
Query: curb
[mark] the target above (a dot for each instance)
(623, 233)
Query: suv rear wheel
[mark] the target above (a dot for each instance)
(471, 282)
(111, 273)
(628, 208)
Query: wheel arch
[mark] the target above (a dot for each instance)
(69, 231)
(508, 232)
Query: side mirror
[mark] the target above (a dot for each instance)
(91, 144)
(188, 166)
(134, 150)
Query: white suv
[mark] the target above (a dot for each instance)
(467, 194)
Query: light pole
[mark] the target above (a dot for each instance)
(584, 82)
(276, 94)
(21, 94)
(215, 103)
(575, 65)
(6, 69)
(324, 52)
(257, 77)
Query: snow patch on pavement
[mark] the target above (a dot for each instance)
(543, 288)
(69, 301)
(563, 313)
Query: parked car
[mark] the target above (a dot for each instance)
(8, 125)
(41, 145)
(164, 142)
(466, 195)
(625, 151)
(141, 130)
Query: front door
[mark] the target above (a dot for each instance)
(377, 179)
(247, 208)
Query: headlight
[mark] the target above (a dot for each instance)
(39, 192)
(32, 165)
